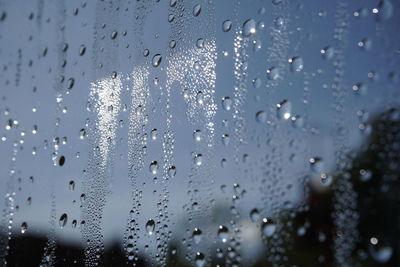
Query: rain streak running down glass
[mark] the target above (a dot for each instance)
(200, 133)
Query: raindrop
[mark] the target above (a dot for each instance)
(71, 185)
(279, 22)
(70, 83)
(261, 116)
(268, 227)
(172, 172)
(284, 109)
(150, 225)
(197, 135)
(226, 25)
(199, 98)
(316, 165)
(200, 259)
(379, 251)
(24, 227)
(200, 43)
(82, 133)
(61, 161)
(273, 73)
(296, 64)
(223, 233)
(254, 215)
(146, 52)
(156, 60)
(227, 102)
(82, 50)
(249, 28)
(114, 35)
(196, 10)
(225, 139)
(384, 10)
(196, 235)
(365, 44)
(257, 45)
(63, 220)
(198, 159)
(153, 134)
(328, 52)
(153, 167)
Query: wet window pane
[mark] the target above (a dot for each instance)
(199, 133)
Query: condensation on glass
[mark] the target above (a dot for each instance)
(199, 133)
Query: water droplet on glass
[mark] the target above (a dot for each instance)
(257, 45)
(200, 43)
(249, 28)
(273, 73)
(153, 167)
(197, 135)
(223, 233)
(284, 109)
(225, 139)
(198, 159)
(150, 225)
(261, 116)
(199, 98)
(328, 52)
(254, 215)
(71, 185)
(296, 64)
(196, 235)
(380, 251)
(156, 60)
(226, 25)
(384, 10)
(268, 227)
(227, 102)
(279, 22)
(172, 172)
(196, 10)
(316, 165)
(63, 220)
(200, 259)
(153, 134)
(24, 227)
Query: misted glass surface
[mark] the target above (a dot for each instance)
(200, 133)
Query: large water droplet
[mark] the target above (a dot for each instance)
(196, 10)
(197, 135)
(196, 235)
(153, 167)
(24, 227)
(156, 60)
(200, 259)
(249, 28)
(384, 10)
(254, 215)
(226, 26)
(380, 251)
(268, 227)
(198, 159)
(172, 172)
(261, 116)
(273, 73)
(284, 109)
(63, 220)
(150, 225)
(223, 233)
(296, 64)
(328, 52)
(226, 102)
